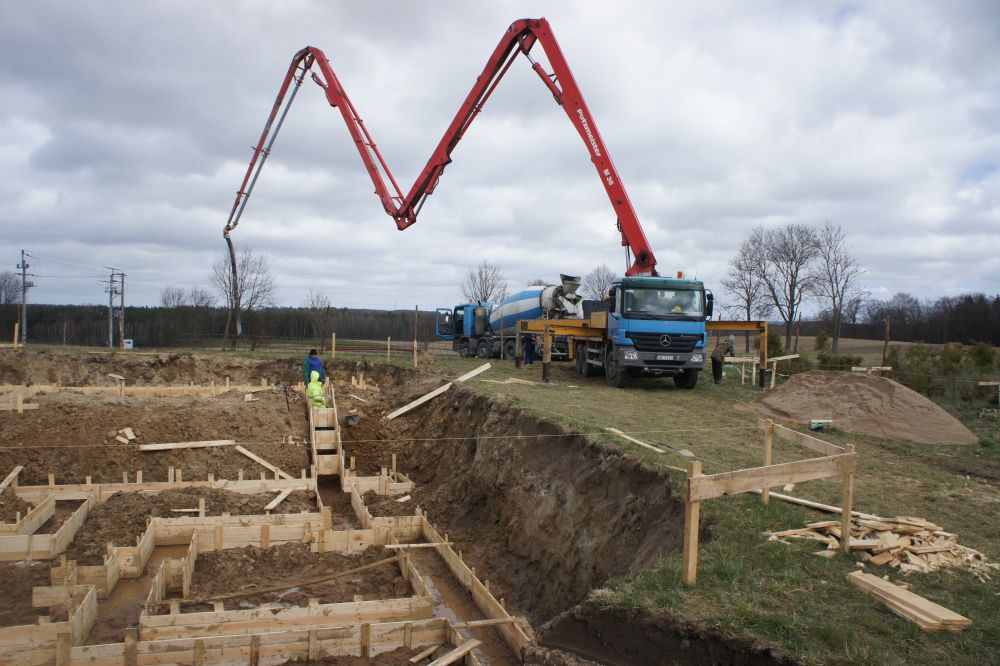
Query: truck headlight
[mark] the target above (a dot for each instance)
(631, 356)
(697, 358)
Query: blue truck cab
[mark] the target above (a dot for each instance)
(656, 326)
(467, 325)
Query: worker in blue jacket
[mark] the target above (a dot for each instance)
(313, 363)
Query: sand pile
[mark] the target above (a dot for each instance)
(865, 405)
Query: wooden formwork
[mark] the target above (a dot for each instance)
(209, 390)
(834, 461)
(81, 606)
(102, 491)
(45, 546)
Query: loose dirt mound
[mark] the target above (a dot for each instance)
(865, 405)
(73, 368)
(11, 505)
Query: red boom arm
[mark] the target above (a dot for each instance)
(519, 38)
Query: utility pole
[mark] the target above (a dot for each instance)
(112, 292)
(24, 297)
(121, 313)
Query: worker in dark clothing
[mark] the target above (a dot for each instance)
(528, 342)
(722, 349)
(313, 363)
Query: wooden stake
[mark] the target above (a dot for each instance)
(64, 645)
(255, 650)
(692, 518)
(416, 315)
(845, 516)
(885, 345)
(333, 345)
(17, 333)
(765, 493)
(388, 349)
(546, 353)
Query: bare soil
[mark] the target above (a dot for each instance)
(123, 517)
(73, 436)
(387, 505)
(64, 509)
(866, 405)
(17, 579)
(616, 636)
(75, 368)
(11, 505)
(243, 569)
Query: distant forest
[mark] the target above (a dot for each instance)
(185, 326)
(965, 319)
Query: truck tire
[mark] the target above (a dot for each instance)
(687, 379)
(463, 349)
(583, 369)
(614, 373)
(509, 349)
(483, 349)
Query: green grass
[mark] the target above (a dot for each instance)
(781, 592)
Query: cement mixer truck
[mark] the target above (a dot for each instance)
(485, 329)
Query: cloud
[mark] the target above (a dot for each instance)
(125, 130)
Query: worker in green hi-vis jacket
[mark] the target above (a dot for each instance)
(314, 391)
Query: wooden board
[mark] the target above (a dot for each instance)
(186, 445)
(282, 496)
(263, 463)
(10, 477)
(469, 375)
(749, 480)
(419, 401)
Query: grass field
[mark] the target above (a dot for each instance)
(781, 592)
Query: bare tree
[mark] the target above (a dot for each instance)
(853, 306)
(199, 297)
(10, 288)
(597, 282)
(537, 282)
(743, 281)
(485, 283)
(787, 256)
(837, 275)
(172, 297)
(318, 304)
(255, 283)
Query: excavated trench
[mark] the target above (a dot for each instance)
(547, 517)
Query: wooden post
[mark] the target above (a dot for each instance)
(333, 346)
(64, 644)
(17, 331)
(692, 518)
(798, 329)
(518, 348)
(546, 353)
(255, 650)
(765, 493)
(501, 341)
(885, 345)
(131, 647)
(774, 372)
(416, 316)
(388, 348)
(199, 652)
(846, 506)
(19, 402)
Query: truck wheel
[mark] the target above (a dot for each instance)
(581, 361)
(463, 349)
(509, 349)
(614, 373)
(483, 349)
(686, 379)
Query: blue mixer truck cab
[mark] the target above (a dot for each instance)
(655, 327)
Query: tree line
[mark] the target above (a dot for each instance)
(186, 325)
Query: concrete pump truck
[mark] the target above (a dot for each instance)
(653, 325)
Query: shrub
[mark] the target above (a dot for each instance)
(983, 356)
(829, 361)
(822, 343)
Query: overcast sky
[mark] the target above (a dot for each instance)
(125, 129)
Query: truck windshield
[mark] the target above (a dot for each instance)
(645, 303)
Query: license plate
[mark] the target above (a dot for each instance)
(666, 357)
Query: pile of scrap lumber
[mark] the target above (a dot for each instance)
(906, 543)
(908, 605)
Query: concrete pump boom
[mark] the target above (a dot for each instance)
(520, 37)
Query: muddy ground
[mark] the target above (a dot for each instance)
(11, 505)
(18, 578)
(243, 569)
(123, 517)
(73, 436)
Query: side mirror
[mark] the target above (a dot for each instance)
(611, 299)
(709, 304)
